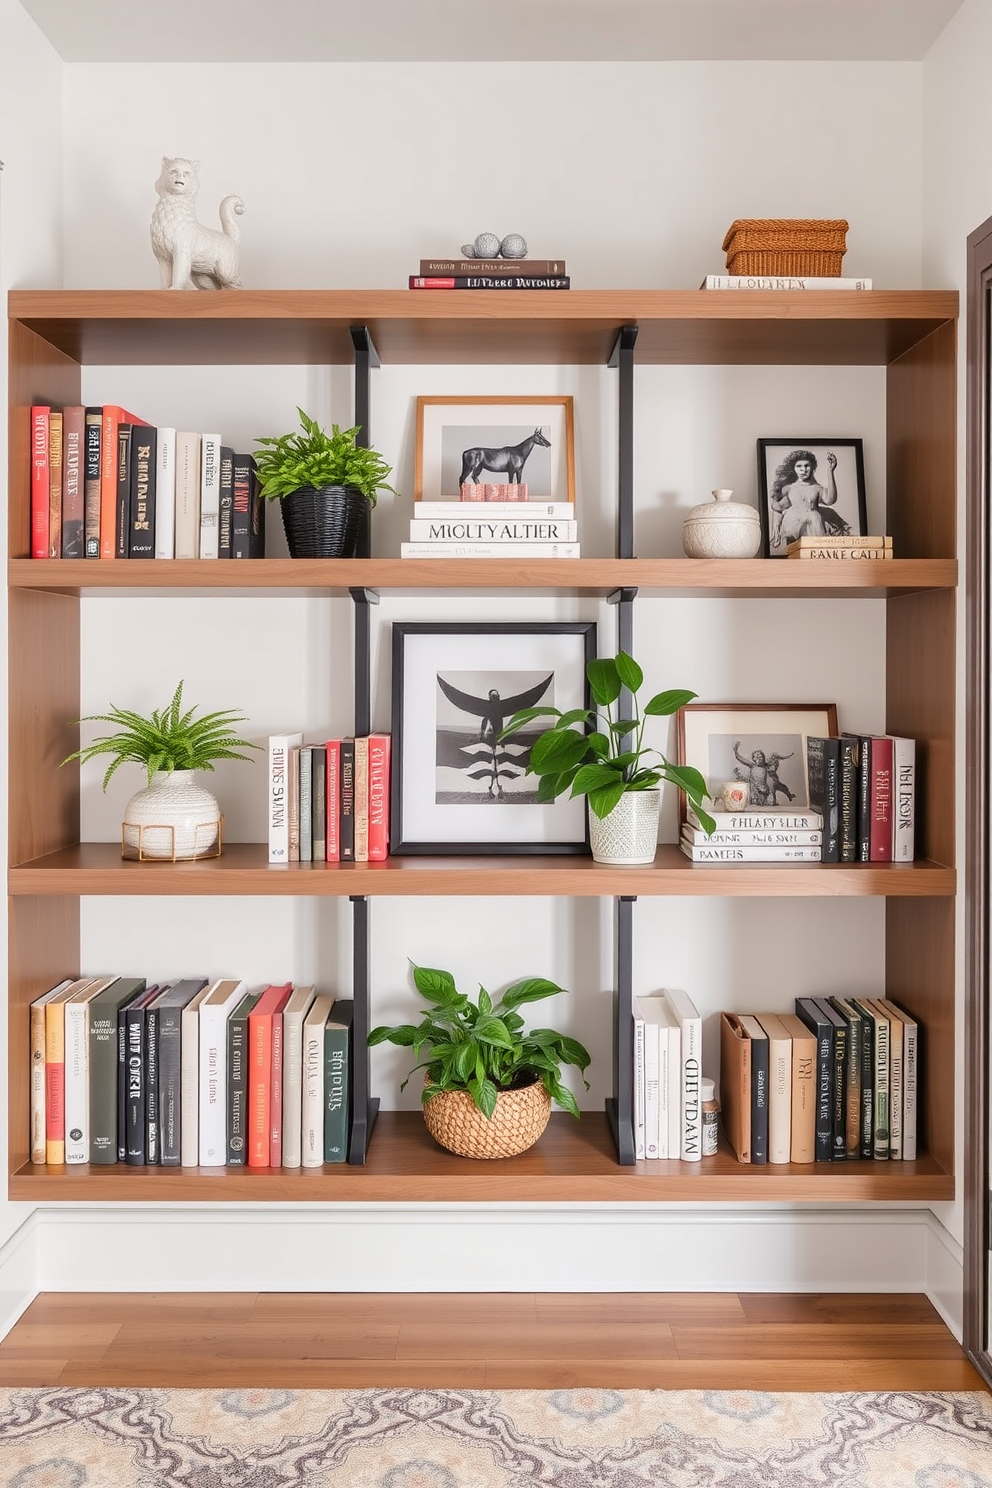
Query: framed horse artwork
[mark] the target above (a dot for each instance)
(495, 449)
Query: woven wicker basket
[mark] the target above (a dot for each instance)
(779, 245)
(326, 522)
(455, 1121)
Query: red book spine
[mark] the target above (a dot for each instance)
(113, 417)
(40, 484)
(332, 803)
(378, 797)
(275, 1095)
(260, 1018)
(880, 834)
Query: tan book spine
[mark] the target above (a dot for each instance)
(779, 1088)
(735, 1085)
(803, 1148)
(361, 800)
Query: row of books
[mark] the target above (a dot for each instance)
(864, 786)
(190, 1073)
(668, 1052)
(834, 1081)
(756, 834)
(328, 802)
(491, 273)
(497, 526)
(105, 484)
(841, 549)
(782, 282)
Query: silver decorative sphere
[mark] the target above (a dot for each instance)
(486, 245)
(513, 246)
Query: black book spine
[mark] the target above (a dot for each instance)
(864, 800)
(840, 1092)
(151, 1083)
(245, 483)
(123, 526)
(824, 1077)
(134, 1098)
(226, 501)
(848, 770)
(237, 1090)
(867, 1084)
(347, 816)
(169, 1085)
(144, 440)
(104, 1068)
(122, 1085)
(759, 1100)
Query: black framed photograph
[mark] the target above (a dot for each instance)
(761, 746)
(810, 488)
(495, 449)
(456, 787)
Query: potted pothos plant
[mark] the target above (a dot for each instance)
(172, 817)
(601, 754)
(326, 484)
(488, 1081)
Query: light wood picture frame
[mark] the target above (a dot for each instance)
(722, 739)
(497, 441)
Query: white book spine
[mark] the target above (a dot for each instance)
(758, 820)
(698, 852)
(77, 1086)
(691, 1026)
(767, 837)
(639, 1078)
(280, 746)
(673, 1090)
(904, 805)
(652, 1089)
(292, 1088)
(312, 1142)
(210, 496)
(910, 1080)
(485, 529)
(213, 1078)
(165, 494)
(187, 502)
(189, 1082)
(448, 511)
(895, 1086)
(515, 550)
(781, 282)
(664, 1090)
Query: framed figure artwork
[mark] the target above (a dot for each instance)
(456, 786)
(810, 488)
(762, 745)
(495, 449)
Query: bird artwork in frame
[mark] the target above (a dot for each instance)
(458, 786)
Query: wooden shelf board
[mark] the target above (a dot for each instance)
(574, 1162)
(158, 327)
(243, 869)
(713, 578)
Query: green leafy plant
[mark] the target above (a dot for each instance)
(287, 462)
(602, 763)
(481, 1047)
(167, 740)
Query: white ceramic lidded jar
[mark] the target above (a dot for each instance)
(721, 528)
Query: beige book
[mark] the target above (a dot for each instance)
(803, 1088)
(779, 1087)
(361, 799)
(735, 1085)
(313, 1080)
(189, 1081)
(910, 1074)
(37, 1055)
(293, 1015)
(55, 1070)
(895, 1074)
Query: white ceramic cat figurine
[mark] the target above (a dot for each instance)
(190, 255)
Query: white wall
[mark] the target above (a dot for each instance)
(30, 254)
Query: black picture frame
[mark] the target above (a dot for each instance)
(847, 515)
(443, 799)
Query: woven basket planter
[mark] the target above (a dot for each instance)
(326, 522)
(780, 245)
(455, 1121)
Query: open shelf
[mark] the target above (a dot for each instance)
(574, 1161)
(243, 869)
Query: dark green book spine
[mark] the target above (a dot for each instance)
(337, 1081)
(104, 1059)
(169, 1090)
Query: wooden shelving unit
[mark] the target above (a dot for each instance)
(53, 334)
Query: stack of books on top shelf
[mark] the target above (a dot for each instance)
(864, 786)
(837, 1080)
(328, 802)
(781, 281)
(189, 1073)
(106, 484)
(755, 834)
(841, 549)
(491, 273)
(492, 521)
(668, 1053)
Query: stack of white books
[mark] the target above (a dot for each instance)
(756, 834)
(492, 529)
(668, 1053)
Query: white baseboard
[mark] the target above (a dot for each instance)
(945, 1275)
(448, 1248)
(18, 1273)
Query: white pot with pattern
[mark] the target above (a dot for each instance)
(629, 834)
(172, 819)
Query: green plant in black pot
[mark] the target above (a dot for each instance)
(326, 484)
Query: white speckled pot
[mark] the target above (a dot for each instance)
(630, 833)
(721, 528)
(172, 819)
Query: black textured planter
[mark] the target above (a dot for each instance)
(326, 522)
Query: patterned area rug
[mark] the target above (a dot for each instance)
(98, 1438)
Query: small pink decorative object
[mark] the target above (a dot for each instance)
(506, 491)
(734, 795)
(470, 492)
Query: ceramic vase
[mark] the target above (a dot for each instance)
(629, 834)
(721, 528)
(172, 820)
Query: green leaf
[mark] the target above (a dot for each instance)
(564, 1098)
(595, 777)
(525, 715)
(604, 680)
(490, 1030)
(629, 672)
(602, 801)
(664, 703)
(435, 986)
(554, 752)
(529, 989)
(485, 1001)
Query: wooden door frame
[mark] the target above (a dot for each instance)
(977, 795)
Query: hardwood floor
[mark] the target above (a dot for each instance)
(510, 1341)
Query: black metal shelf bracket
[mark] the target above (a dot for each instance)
(620, 1109)
(364, 599)
(364, 1107)
(366, 357)
(622, 357)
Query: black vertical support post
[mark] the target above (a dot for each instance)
(622, 357)
(364, 599)
(366, 357)
(364, 1108)
(620, 1109)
